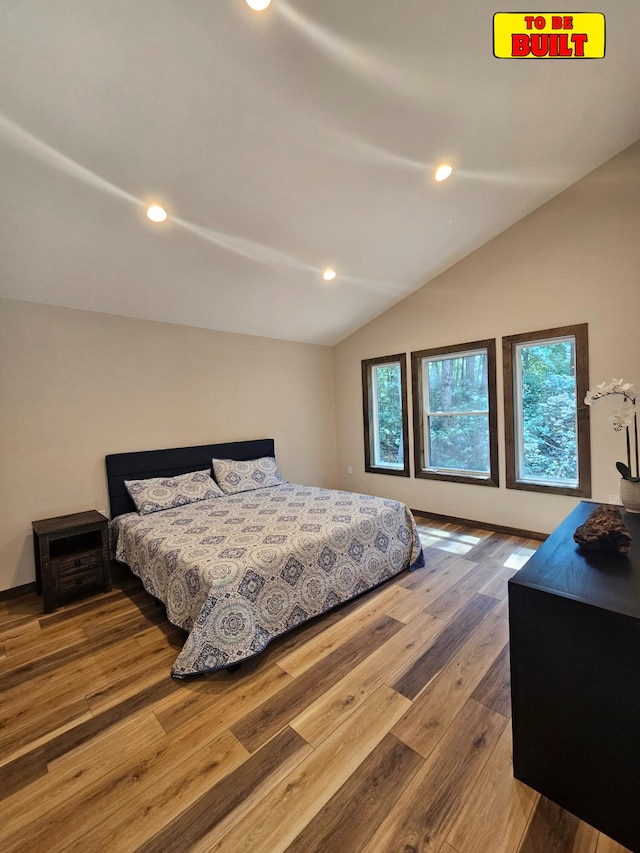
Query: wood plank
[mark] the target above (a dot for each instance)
(520, 555)
(127, 589)
(320, 717)
(258, 726)
(35, 744)
(13, 625)
(355, 811)
(151, 669)
(44, 641)
(586, 840)
(26, 627)
(95, 608)
(43, 720)
(223, 708)
(124, 625)
(248, 783)
(438, 562)
(22, 707)
(301, 634)
(325, 642)
(280, 816)
(495, 688)
(162, 632)
(72, 774)
(462, 592)
(425, 813)
(435, 582)
(148, 789)
(495, 547)
(19, 702)
(496, 793)
(108, 748)
(497, 586)
(551, 829)
(456, 540)
(438, 705)
(608, 845)
(19, 601)
(439, 525)
(43, 666)
(83, 732)
(128, 827)
(447, 643)
(20, 772)
(558, 830)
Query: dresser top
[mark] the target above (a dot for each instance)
(63, 523)
(602, 579)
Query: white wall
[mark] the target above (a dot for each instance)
(574, 260)
(75, 386)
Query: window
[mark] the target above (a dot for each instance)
(546, 377)
(384, 398)
(454, 413)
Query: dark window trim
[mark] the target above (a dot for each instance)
(367, 404)
(493, 478)
(580, 333)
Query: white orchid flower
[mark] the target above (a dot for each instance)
(622, 416)
(615, 386)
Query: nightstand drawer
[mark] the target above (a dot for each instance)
(79, 582)
(77, 562)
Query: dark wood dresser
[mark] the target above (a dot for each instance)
(72, 557)
(574, 621)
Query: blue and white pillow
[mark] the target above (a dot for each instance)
(166, 492)
(233, 476)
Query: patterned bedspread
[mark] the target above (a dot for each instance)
(239, 570)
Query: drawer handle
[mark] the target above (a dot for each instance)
(77, 563)
(78, 581)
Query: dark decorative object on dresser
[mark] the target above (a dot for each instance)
(574, 625)
(604, 530)
(72, 557)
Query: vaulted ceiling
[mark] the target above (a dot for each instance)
(281, 143)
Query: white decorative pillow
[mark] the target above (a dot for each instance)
(167, 492)
(233, 476)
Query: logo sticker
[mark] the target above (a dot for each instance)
(548, 35)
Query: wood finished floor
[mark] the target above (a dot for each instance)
(383, 726)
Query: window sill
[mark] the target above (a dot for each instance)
(395, 472)
(469, 479)
(574, 492)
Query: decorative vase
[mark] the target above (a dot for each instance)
(630, 495)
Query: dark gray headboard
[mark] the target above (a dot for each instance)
(143, 464)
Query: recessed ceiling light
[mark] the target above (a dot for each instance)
(329, 274)
(258, 5)
(443, 172)
(156, 213)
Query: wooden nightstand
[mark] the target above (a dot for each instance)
(72, 557)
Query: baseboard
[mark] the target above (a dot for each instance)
(16, 591)
(485, 525)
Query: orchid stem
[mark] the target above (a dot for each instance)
(635, 435)
(628, 452)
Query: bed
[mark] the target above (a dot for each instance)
(235, 569)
